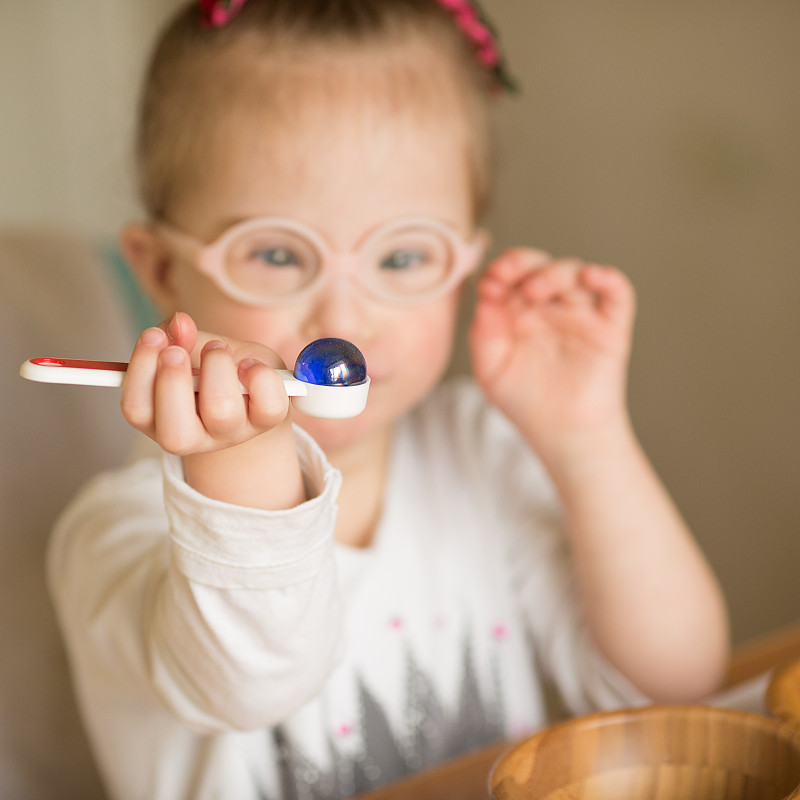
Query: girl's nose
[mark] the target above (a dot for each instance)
(342, 309)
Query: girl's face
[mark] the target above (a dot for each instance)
(342, 176)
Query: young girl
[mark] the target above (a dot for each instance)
(281, 606)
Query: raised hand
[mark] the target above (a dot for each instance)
(550, 341)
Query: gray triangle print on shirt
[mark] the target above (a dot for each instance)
(430, 735)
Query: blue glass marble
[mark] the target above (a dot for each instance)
(331, 362)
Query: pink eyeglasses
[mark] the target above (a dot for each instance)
(271, 261)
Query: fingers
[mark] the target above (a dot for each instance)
(521, 278)
(614, 293)
(181, 330)
(220, 403)
(136, 401)
(176, 426)
(507, 271)
(160, 400)
(267, 401)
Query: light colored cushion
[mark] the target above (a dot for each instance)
(56, 299)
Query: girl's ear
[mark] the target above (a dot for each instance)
(150, 262)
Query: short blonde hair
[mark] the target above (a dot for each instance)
(198, 74)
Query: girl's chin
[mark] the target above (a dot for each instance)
(335, 434)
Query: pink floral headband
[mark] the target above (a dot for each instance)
(468, 16)
(217, 13)
(473, 22)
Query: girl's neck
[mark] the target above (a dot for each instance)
(364, 467)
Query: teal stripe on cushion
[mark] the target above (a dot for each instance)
(141, 312)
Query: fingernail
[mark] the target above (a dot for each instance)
(174, 327)
(152, 336)
(214, 345)
(173, 356)
(248, 363)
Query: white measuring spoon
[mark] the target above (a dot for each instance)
(329, 401)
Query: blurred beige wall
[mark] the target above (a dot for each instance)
(663, 138)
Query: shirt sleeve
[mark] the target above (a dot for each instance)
(227, 617)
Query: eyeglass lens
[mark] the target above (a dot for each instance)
(274, 262)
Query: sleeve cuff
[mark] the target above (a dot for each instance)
(233, 547)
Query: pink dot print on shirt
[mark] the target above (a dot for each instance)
(500, 631)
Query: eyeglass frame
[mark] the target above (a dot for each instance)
(208, 258)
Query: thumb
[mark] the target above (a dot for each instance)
(181, 330)
(489, 340)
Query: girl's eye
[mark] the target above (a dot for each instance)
(277, 257)
(403, 259)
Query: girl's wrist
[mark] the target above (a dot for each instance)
(263, 472)
(577, 455)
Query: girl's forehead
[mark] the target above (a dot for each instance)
(411, 72)
(343, 165)
(309, 108)
(333, 127)
(362, 120)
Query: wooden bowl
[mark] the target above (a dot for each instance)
(783, 693)
(655, 753)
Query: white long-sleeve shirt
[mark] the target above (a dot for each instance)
(227, 652)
